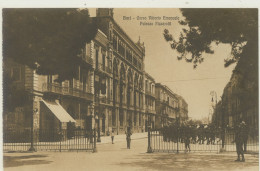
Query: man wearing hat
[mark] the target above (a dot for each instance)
(244, 134)
(239, 142)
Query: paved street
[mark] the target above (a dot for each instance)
(118, 157)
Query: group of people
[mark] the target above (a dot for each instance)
(185, 133)
(205, 134)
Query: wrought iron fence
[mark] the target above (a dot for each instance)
(178, 140)
(49, 140)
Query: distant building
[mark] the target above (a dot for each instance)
(182, 109)
(150, 101)
(170, 107)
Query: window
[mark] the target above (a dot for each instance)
(110, 35)
(96, 58)
(16, 73)
(135, 61)
(103, 62)
(49, 79)
(140, 119)
(135, 119)
(114, 118)
(114, 43)
(121, 117)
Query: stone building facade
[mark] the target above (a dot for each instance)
(127, 79)
(111, 90)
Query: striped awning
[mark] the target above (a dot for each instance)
(59, 111)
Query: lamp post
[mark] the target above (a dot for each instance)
(91, 109)
(149, 148)
(178, 129)
(223, 125)
(97, 117)
(32, 149)
(214, 94)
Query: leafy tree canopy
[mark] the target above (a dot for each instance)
(237, 27)
(48, 40)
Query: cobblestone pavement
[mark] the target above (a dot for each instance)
(118, 157)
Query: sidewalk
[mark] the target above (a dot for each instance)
(122, 137)
(118, 157)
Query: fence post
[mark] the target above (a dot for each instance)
(95, 141)
(149, 149)
(32, 149)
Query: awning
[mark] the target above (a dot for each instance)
(59, 111)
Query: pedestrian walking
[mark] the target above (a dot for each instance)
(244, 134)
(128, 137)
(112, 136)
(187, 143)
(239, 143)
(187, 138)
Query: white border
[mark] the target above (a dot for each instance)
(130, 3)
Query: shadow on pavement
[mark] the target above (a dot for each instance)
(158, 161)
(15, 161)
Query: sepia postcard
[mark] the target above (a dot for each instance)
(130, 89)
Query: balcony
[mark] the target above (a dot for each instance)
(104, 69)
(149, 93)
(148, 110)
(87, 59)
(104, 100)
(57, 89)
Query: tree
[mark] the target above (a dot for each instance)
(47, 40)
(237, 27)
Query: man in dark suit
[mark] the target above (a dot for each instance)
(239, 140)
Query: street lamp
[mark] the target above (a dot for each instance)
(149, 148)
(32, 124)
(178, 129)
(97, 117)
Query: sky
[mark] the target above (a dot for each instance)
(194, 85)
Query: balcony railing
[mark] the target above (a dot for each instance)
(149, 93)
(54, 88)
(148, 110)
(103, 68)
(88, 59)
(104, 100)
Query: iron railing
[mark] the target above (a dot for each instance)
(49, 140)
(54, 88)
(178, 141)
(147, 92)
(103, 68)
